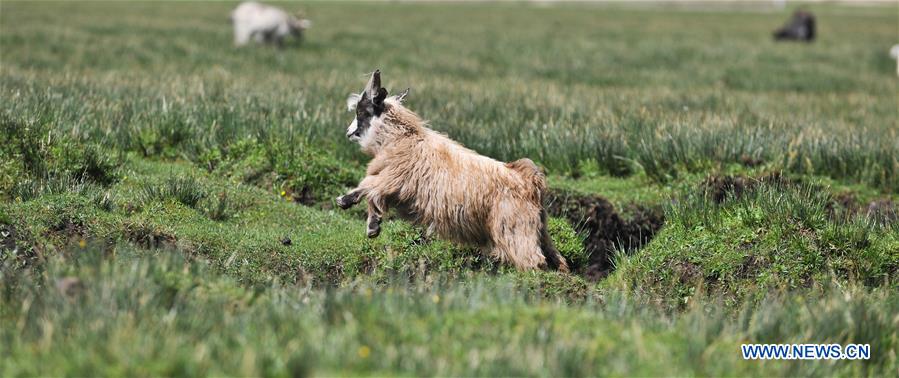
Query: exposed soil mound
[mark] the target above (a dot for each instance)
(605, 229)
(7, 238)
(71, 228)
(841, 205)
(9, 241)
(148, 237)
(750, 161)
(883, 211)
(720, 188)
(304, 196)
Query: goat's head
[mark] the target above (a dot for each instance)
(369, 106)
(298, 24)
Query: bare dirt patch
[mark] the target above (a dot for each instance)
(148, 237)
(605, 228)
(69, 228)
(7, 238)
(13, 251)
(720, 188)
(883, 211)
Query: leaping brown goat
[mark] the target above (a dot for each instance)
(437, 183)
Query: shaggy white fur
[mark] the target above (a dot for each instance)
(452, 191)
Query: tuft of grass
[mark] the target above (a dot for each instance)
(28, 189)
(219, 208)
(184, 190)
(569, 242)
(295, 170)
(37, 160)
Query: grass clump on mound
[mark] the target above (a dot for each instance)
(184, 190)
(295, 169)
(772, 237)
(36, 159)
(569, 242)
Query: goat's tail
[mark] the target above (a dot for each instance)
(534, 176)
(531, 174)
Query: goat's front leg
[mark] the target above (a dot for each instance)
(353, 197)
(377, 206)
(347, 201)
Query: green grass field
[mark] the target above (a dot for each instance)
(166, 199)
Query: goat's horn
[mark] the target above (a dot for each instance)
(403, 95)
(374, 84)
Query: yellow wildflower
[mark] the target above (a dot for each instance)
(364, 351)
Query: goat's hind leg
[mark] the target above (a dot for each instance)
(515, 236)
(375, 215)
(377, 206)
(375, 212)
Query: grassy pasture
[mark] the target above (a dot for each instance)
(624, 89)
(186, 185)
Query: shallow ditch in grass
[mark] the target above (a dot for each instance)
(605, 228)
(609, 230)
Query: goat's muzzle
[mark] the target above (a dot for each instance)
(354, 132)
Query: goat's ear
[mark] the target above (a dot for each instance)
(402, 96)
(381, 96)
(374, 84)
(352, 101)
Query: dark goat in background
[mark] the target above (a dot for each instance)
(800, 28)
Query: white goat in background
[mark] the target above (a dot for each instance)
(265, 24)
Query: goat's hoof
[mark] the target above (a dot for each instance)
(343, 203)
(373, 232)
